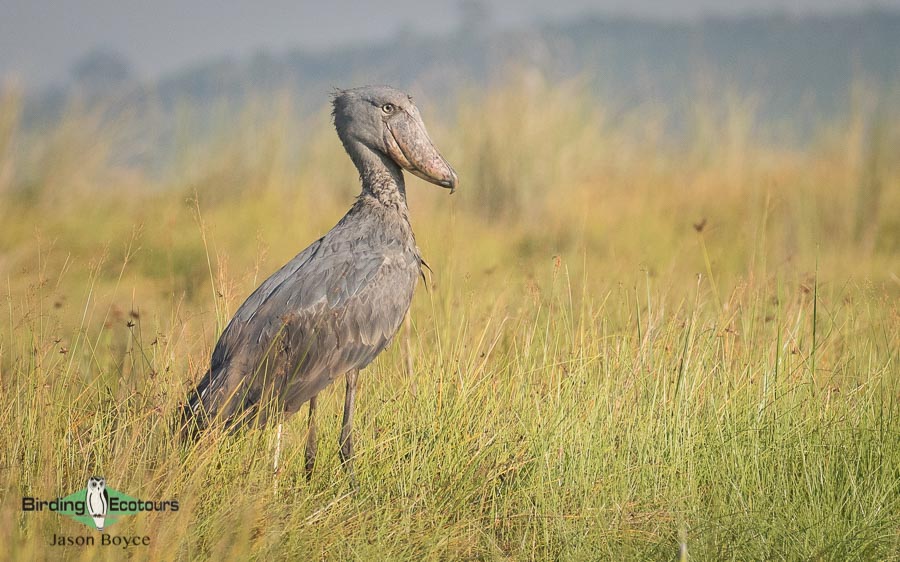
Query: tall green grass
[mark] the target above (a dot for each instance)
(630, 347)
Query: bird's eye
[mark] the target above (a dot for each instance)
(388, 108)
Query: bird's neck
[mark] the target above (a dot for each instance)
(381, 177)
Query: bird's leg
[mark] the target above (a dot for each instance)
(346, 450)
(277, 457)
(407, 352)
(311, 439)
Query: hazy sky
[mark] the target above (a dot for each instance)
(39, 39)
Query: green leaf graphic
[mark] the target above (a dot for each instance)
(112, 515)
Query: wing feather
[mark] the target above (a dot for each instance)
(332, 308)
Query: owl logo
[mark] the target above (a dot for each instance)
(97, 500)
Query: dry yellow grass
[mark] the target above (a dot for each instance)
(630, 342)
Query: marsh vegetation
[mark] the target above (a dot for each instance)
(631, 343)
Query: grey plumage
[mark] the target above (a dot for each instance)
(334, 307)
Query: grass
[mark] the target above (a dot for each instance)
(630, 348)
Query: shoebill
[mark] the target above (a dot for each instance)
(334, 307)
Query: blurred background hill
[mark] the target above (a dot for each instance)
(794, 71)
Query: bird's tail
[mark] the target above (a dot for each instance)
(206, 406)
(194, 418)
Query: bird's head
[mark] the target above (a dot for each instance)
(386, 120)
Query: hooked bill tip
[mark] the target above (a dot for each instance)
(450, 183)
